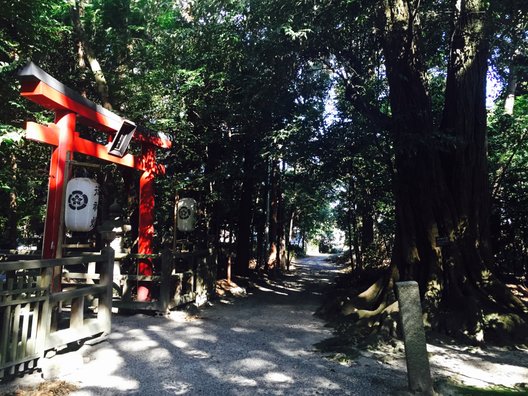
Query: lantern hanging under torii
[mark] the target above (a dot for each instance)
(82, 199)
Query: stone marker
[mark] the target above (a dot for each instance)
(418, 371)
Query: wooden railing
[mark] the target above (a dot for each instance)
(181, 277)
(34, 320)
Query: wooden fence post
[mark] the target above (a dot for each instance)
(104, 313)
(212, 268)
(77, 313)
(44, 324)
(26, 321)
(166, 270)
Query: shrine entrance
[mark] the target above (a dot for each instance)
(71, 108)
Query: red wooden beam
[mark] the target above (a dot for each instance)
(50, 135)
(39, 87)
(42, 134)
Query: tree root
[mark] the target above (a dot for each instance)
(365, 314)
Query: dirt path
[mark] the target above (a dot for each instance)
(259, 344)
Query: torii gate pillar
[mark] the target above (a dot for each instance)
(146, 217)
(52, 244)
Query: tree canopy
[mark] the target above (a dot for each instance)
(402, 123)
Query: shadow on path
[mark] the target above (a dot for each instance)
(259, 344)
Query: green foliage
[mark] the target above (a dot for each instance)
(236, 80)
(219, 79)
(28, 29)
(509, 169)
(9, 135)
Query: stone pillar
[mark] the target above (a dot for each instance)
(418, 370)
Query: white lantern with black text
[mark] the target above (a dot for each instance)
(82, 198)
(186, 214)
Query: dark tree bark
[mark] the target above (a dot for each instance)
(349, 240)
(245, 213)
(367, 226)
(272, 263)
(354, 239)
(213, 208)
(289, 237)
(511, 88)
(442, 193)
(281, 222)
(261, 216)
(412, 121)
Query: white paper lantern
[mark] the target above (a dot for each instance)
(82, 198)
(186, 214)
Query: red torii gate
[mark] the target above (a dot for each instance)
(70, 107)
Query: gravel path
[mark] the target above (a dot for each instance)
(261, 344)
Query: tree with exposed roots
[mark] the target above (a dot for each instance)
(441, 180)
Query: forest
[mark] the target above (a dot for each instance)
(403, 123)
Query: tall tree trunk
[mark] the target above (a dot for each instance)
(367, 225)
(290, 220)
(349, 239)
(261, 213)
(441, 194)
(511, 86)
(510, 92)
(245, 212)
(349, 221)
(356, 240)
(289, 237)
(267, 213)
(214, 209)
(281, 221)
(85, 50)
(272, 263)
(415, 166)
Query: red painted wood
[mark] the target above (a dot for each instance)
(48, 97)
(50, 135)
(146, 218)
(65, 121)
(93, 149)
(42, 134)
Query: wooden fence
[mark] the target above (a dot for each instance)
(34, 320)
(181, 277)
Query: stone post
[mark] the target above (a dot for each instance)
(418, 370)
